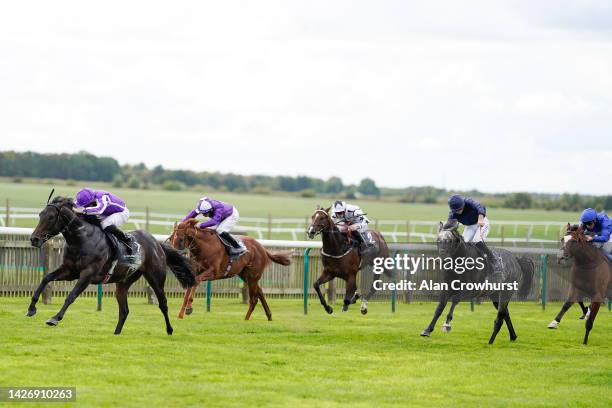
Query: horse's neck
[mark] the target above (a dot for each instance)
(78, 231)
(333, 238)
(204, 244)
(586, 256)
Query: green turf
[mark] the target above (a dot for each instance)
(217, 359)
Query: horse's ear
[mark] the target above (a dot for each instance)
(568, 227)
(440, 225)
(175, 224)
(191, 222)
(327, 209)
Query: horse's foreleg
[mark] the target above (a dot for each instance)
(564, 308)
(513, 335)
(58, 274)
(324, 278)
(439, 309)
(446, 327)
(351, 287)
(74, 293)
(589, 323)
(188, 295)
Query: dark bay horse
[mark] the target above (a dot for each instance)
(212, 262)
(341, 259)
(88, 258)
(590, 275)
(451, 244)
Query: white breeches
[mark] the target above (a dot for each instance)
(476, 233)
(227, 224)
(116, 219)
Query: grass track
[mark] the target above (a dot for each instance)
(217, 359)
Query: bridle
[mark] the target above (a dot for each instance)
(187, 237)
(47, 236)
(322, 227)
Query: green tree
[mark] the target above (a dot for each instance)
(368, 187)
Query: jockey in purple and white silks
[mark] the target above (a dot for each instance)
(110, 209)
(223, 217)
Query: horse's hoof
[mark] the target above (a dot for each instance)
(52, 322)
(31, 312)
(446, 328)
(189, 311)
(329, 310)
(170, 331)
(364, 311)
(553, 324)
(344, 308)
(582, 317)
(513, 338)
(425, 333)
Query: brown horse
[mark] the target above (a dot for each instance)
(212, 262)
(341, 259)
(591, 275)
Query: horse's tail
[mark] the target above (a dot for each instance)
(528, 269)
(180, 266)
(283, 258)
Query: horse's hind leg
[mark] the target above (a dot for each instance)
(121, 294)
(446, 327)
(264, 303)
(253, 297)
(589, 323)
(157, 279)
(437, 313)
(186, 307)
(513, 335)
(499, 320)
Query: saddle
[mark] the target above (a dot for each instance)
(121, 256)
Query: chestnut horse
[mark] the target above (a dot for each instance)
(212, 262)
(591, 275)
(341, 259)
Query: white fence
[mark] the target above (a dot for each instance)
(504, 232)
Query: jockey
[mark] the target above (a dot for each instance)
(473, 215)
(354, 219)
(601, 226)
(110, 209)
(222, 218)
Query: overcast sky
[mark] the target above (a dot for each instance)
(497, 95)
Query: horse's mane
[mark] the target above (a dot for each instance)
(69, 202)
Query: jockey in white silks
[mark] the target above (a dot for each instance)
(352, 218)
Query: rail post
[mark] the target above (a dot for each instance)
(208, 294)
(99, 307)
(7, 214)
(306, 265)
(544, 280)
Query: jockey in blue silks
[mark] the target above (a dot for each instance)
(600, 226)
(473, 216)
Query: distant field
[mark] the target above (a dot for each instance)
(218, 359)
(251, 205)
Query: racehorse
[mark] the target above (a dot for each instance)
(590, 275)
(451, 244)
(89, 259)
(342, 259)
(212, 262)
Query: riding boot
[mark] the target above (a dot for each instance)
(232, 241)
(121, 236)
(358, 238)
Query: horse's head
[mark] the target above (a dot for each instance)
(319, 222)
(574, 234)
(183, 234)
(52, 220)
(448, 238)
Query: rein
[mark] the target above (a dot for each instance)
(321, 230)
(47, 236)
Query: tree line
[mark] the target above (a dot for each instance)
(85, 166)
